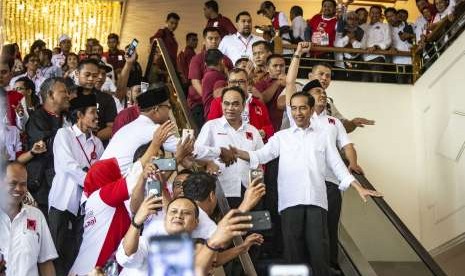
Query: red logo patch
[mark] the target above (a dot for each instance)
(249, 135)
(332, 121)
(31, 224)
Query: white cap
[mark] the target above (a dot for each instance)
(63, 37)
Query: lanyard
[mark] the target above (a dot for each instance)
(245, 44)
(93, 154)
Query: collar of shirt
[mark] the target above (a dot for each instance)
(145, 119)
(79, 133)
(243, 38)
(4, 215)
(295, 128)
(226, 124)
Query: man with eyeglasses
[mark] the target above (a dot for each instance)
(31, 62)
(255, 111)
(230, 130)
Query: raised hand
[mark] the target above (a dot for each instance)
(233, 224)
(39, 147)
(184, 148)
(252, 239)
(252, 195)
(227, 156)
(163, 132)
(362, 122)
(149, 206)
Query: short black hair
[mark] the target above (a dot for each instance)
(236, 89)
(196, 209)
(332, 1)
(28, 57)
(310, 99)
(297, 10)
(322, 64)
(212, 4)
(377, 7)
(390, 9)
(242, 59)
(73, 116)
(246, 13)
(361, 9)
(189, 35)
(113, 36)
(210, 30)
(28, 83)
(173, 15)
(402, 10)
(37, 44)
(236, 70)
(88, 61)
(185, 171)
(47, 52)
(266, 44)
(198, 186)
(213, 57)
(273, 56)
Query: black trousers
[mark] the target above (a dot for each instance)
(305, 236)
(66, 230)
(374, 77)
(334, 214)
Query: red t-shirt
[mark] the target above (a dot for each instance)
(208, 81)
(224, 25)
(197, 69)
(116, 59)
(258, 115)
(183, 61)
(276, 115)
(125, 116)
(13, 99)
(322, 27)
(170, 42)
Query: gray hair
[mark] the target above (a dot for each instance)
(46, 89)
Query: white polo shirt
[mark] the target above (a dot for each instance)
(235, 46)
(25, 242)
(400, 45)
(12, 141)
(378, 34)
(72, 152)
(219, 133)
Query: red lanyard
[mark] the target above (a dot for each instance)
(93, 154)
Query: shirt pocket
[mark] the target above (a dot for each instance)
(30, 243)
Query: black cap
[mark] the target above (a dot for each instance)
(310, 85)
(152, 97)
(82, 101)
(265, 5)
(103, 65)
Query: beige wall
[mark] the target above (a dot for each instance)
(144, 17)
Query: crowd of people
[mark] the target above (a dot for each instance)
(82, 133)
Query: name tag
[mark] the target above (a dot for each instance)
(120, 57)
(215, 24)
(221, 133)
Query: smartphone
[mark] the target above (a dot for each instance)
(144, 86)
(187, 133)
(171, 255)
(261, 220)
(254, 174)
(165, 164)
(132, 47)
(153, 187)
(289, 270)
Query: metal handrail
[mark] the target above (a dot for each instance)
(316, 48)
(402, 229)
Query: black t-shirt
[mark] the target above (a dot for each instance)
(106, 107)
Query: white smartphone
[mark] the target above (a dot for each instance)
(171, 255)
(289, 270)
(144, 86)
(187, 133)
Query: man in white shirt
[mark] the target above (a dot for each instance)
(65, 47)
(31, 62)
(47, 69)
(25, 242)
(222, 133)
(378, 37)
(75, 150)
(298, 24)
(239, 45)
(305, 152)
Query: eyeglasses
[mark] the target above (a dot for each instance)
(237, 82)
(165, 105)
(20, 88)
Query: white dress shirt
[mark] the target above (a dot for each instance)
(51, 71)
(235, 46)
(400, 45)
(378, 34)
(129, 138)
(219, 133)
(304, 155)
(69, 160)
(298, 27)
(12, 141)
(25, 241)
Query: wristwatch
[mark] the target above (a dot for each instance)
(133, 223)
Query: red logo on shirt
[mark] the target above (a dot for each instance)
(332, 121)
(258, 110)
(249, 135)
(31, 224)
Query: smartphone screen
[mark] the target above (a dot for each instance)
(289, 270)
(254, 174)
(152, 187)
(171, 255)
(132, 47)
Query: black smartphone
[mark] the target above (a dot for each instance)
(132, 47)
(165, 164)
(261, 220)
(171, 255)
(152, 187)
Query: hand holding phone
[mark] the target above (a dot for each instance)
(150, 206)
(165, 164)
(153, 187)
(187, 133)
(132, 47)
(255, 174)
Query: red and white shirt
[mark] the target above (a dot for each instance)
(106, 222)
